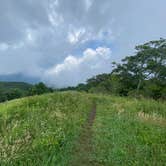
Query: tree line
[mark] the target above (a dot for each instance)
(20, 91)
(142, 74)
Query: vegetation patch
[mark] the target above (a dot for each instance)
(121, 138)
(41, 130)
(153, 118)
(65, 128)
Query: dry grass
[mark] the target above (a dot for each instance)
(152, 118)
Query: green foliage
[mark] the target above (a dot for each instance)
(39, 88)
(13, 90)
(82, 87)
(14, 93)
(41, 130)
(146, 68)
(143, 74)
(7, 86)
(129, 132)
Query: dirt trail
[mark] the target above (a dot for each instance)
(83, 147)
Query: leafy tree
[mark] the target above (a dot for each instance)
(13, 90)
(39, 88)
(149, 63)
(82, 87)
(143, 74)
(13, 94)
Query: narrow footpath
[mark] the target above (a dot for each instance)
(83, 148)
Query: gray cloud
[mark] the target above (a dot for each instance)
(74, 70)
(36, 36)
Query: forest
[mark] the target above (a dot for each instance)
(14, 90)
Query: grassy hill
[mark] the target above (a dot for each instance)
(73, 128)
(12, 90)
(8, 86)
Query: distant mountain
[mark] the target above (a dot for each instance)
(19, 78)
(9, 86)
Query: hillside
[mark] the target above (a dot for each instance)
(15, 90)
(71, 128)
(8, 86)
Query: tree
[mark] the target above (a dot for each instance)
(39, 88)
(149, 63)
(143, 74)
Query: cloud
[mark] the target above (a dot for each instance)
(74, 69)
(4, 46)
(38, 34)
(75, 35)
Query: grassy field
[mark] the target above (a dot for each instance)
(53, 130)
(129, 132)
(41, 130)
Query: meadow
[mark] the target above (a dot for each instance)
(129, 131)
(52, 129)
(40, 130)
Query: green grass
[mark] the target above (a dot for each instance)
(44, 130)
(129, 132)
(41, 130)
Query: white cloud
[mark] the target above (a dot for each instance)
(74, 69)
(75, 35)
(31, 36)
(88, 4)
(37, 34)
(18, 45)
(4, 46)
(55, 19)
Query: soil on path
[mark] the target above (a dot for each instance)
(83, 149)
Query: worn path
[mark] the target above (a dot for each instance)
(83, 148)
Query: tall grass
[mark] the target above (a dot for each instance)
(41, 130)
(129, 132)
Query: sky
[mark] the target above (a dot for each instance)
(65, 42)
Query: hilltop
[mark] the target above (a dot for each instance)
(71, 128)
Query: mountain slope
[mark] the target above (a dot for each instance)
(8, 86)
